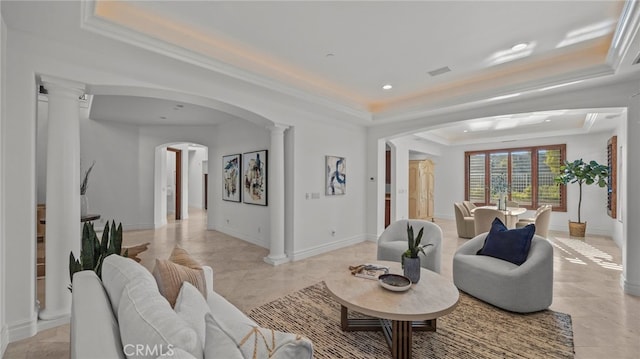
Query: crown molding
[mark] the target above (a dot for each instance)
(100, 26)
(626, 31)
(571, 80)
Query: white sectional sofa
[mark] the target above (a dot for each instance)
(139, 318)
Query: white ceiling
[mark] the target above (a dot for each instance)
(526, 125)
(348, 50)
(341, 52)
(152, 111)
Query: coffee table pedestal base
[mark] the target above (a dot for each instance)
(398, 333)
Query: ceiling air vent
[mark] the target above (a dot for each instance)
(440, 71)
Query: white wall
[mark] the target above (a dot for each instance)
(3, 326)
(246, 221)
(450, 172)
(196, 176)
(315, 219)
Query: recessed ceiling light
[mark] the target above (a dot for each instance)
(330, 55)
(465, 131)
(387, 87)
(547, 120)
(520, 46)
(163, 117)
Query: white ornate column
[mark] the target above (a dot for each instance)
(630, 278)
(275, 171)
(63, 193)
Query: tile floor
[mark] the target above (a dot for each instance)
(606, 322)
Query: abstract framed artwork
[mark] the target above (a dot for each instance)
(254, 177)
(231, 165)
(335, 175)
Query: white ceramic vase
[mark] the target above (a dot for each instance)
(84, 205)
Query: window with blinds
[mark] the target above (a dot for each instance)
(526, 175)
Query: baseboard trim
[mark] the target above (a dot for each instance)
(48, 324)
(23, 330)
(628, 287)
(4, 340)
(138, 227)
(245, 237)
(313, 251)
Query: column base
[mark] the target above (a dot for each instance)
(277, 260)
(629, 288)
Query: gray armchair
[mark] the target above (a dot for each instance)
(523, 289)
(464, 221)
(393, 242)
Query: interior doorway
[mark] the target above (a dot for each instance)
(180, 183)
(174, 192)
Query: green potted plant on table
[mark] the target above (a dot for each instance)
(410, 258)
(581, 172)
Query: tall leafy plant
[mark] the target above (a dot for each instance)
(93, 251)
(581, 172)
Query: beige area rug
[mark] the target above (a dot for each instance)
(473, 330)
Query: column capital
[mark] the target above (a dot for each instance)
(56, 85)
(278, 127)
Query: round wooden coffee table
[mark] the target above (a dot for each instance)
(396, 314)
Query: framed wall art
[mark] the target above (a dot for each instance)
(335, 175)
(254, 177)
(231, 190)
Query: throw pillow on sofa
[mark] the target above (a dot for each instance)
(117, 272)
(242, 340)
(511, 245)
(192, 307)
(147, 320)
(180, 256)
(170, 274)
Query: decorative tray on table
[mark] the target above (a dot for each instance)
(394, 282)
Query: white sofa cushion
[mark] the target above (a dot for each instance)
(94, 329)
(218, 344)
(176, 353)
(192, 307)
(146, 318)
(117, 272)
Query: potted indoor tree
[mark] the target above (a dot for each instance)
(410, 259)
(581, 172)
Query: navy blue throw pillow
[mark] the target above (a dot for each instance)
(511, 245)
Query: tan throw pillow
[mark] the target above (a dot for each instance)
(182, 257)
(170, 277)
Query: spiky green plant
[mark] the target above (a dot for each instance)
(93, 251)
(414, 246)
